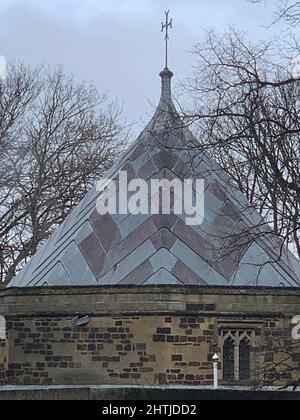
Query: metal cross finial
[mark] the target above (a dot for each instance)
(166, 26)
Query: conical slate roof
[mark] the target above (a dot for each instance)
(89, 249)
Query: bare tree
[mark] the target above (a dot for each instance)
(246, 112)
(277, 358)
(56, 137)
(286, 10)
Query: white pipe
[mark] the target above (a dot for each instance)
(216, 375)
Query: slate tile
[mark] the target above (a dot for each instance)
(133, 222)
(147, 170)
(76, 265)
(107, 230)
(163, 259)
(139, 275)
(197, 264)
(132, 241)
(143, 253)
(218, 191)
(162, 277)
(220, 229)
(193, 240)
(138, 151)
(164, 220)
(186, 275)
(165, 173)
(163, 239)
(131, 174)
(182, 170)
(217, 236)
(231, 211)
(57, 276)
(165, 159)
(233, 250)
(94, 253)
(250, 272)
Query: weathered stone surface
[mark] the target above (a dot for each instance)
(133, 393)
(138, 335)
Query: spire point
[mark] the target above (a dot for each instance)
(165, 27)
(166, 74)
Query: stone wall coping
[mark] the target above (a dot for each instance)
(150, 300)
(181, 290)
(123, 393)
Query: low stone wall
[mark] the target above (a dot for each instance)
(135, 335)
(143, 394)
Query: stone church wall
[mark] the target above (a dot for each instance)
(142, 336)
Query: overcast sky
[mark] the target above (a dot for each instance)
(117, 44)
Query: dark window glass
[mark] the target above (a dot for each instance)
(244, 360)
(228, 360)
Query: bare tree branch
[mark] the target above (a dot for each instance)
(56, 138)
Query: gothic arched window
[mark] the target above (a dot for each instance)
(237, 346)
(244, 359)
(228, 359)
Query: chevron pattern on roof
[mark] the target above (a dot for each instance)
(89, 249)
